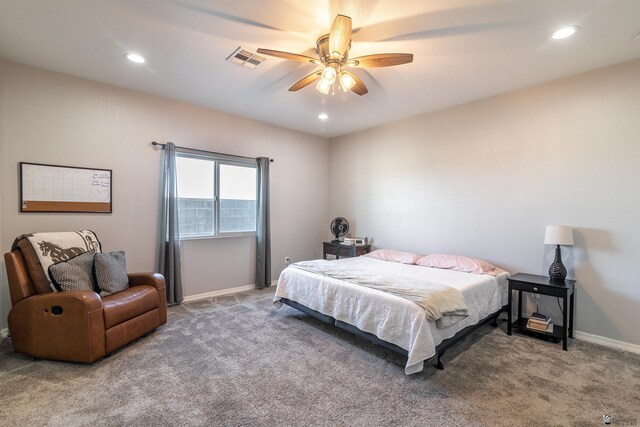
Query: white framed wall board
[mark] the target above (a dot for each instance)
(54, 188)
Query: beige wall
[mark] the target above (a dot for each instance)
(47, 117)
(484, 179)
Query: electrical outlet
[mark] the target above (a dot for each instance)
(287, 260)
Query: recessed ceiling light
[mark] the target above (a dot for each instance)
(134, 57)
(323, 116)
(564, 32)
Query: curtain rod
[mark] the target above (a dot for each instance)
(195, 150)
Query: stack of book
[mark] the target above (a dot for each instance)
(358, 241)
(540, 322)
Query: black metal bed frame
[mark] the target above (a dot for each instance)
(440, 348)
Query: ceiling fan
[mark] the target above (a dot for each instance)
(333, 52)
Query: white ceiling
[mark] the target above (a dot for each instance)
(463, 50)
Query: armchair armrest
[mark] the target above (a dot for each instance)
(59, 325)
(157, 281)
(154, 279)
(89, 299)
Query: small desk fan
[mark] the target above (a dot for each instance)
(339, 228)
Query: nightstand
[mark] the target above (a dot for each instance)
(341, 250)
(564, 289)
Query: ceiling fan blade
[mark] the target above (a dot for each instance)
(340, 35)
(359, 87)
(287, 55)
(305, 81)
(381, 60)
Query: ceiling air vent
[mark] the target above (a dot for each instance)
(245, 58)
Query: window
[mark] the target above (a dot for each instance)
(237, 198)
(216, 197)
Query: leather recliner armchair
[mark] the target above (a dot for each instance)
(80, 326)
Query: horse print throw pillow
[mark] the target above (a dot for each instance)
(52, 248)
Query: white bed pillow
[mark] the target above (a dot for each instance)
(394, 256)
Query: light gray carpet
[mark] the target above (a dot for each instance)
(236, 360)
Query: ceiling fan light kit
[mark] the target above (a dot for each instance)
(323, 86)
(333, 53)
(346, 82)
(328, 75)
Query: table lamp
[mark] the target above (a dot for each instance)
(558, 235)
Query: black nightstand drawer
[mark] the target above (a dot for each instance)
(345, 251)
(331, 250)
(536, 288)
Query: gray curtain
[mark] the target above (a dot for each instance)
(169, 257)
(263, 230)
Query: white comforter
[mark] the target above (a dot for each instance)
(389, 317)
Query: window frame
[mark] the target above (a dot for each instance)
(217, 161)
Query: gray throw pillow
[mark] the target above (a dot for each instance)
(111, 272)
(75, 274)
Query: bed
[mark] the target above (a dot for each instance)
(389, 320)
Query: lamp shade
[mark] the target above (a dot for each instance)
(558, 235)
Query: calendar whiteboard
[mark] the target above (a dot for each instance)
(52, 188)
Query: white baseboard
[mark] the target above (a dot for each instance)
(608, 342)
(221, 292)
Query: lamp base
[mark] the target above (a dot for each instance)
(557, 270)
